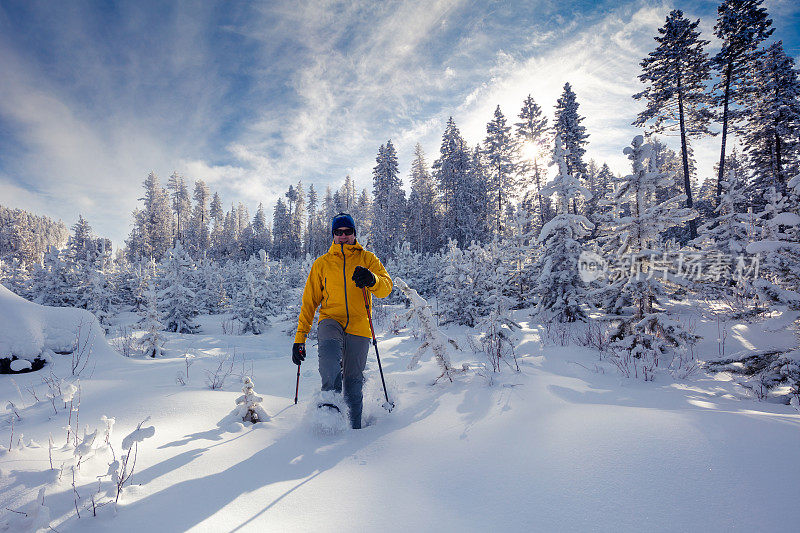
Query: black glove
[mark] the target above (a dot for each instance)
(363, 277)
(298, 353)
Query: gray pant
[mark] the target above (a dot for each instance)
(340, 354)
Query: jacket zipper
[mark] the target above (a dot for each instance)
(344, 276)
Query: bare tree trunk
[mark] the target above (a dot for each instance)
(726, 98)
(685, 153)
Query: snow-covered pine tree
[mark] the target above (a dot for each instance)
(676, 73)
(567, 124)
(199, 237)
(178, 300)
(649, 334)
(518, 251)
(423, 222)
(727, 232)
(212, 298)
(779, 249)
(532, 135)
(501, 152)
(770, 136)
(151, 343)
(151, 235)
(457, 298)
(249, 403)
(499, 337)
(181, 206)
(297, 215)
(218, 216)
(741, 26)
(389, 203)
(55, 283)
(452, 172)
(559, 288)
(248, 307)
(280, 230)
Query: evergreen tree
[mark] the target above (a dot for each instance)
(532, 135)
(741, 26)
(151, 236)
(423, 222)
(649, 333)
(181, 206)
(151, 343)
(567, 124)
(457, 297)
(178, 298)
(676, 73)
(218, 216)
(559, 287)
(261, 235)
(81, 246)
(247, 307)
(388, 220)
(280, 230)
(501, 153)
(453, 172)
(199, 236)
(771, 139)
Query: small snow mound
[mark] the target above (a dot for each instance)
(29, 330)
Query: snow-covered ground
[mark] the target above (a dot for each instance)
(558, 446)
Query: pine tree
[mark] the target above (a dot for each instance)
(741, 26)
(151, 343)
(499, 329)
(501, 152)
(559, 288)
(177, 297)
(676, 73)
(567, 124)
(181, 206)
(458, 189)
(151, 235)
(771, 134)
(457, 297)
(389, 202)
(533, 136)
(218, 216)
(649, 333)
(423, 222)
(247, 308)
(280, 230)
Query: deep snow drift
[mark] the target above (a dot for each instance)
(557, 446)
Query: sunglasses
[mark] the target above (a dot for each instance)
(345, 231)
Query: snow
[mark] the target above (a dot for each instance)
(28, 329)
(555, 447)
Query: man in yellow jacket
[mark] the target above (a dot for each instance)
(335, 286)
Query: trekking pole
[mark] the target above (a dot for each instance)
(297, 387)
(388, 405)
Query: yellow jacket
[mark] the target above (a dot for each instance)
(330, 285)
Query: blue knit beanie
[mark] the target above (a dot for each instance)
(343, 220)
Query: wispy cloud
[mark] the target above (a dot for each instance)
(253, 97)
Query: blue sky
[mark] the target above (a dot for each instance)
(254, 96)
